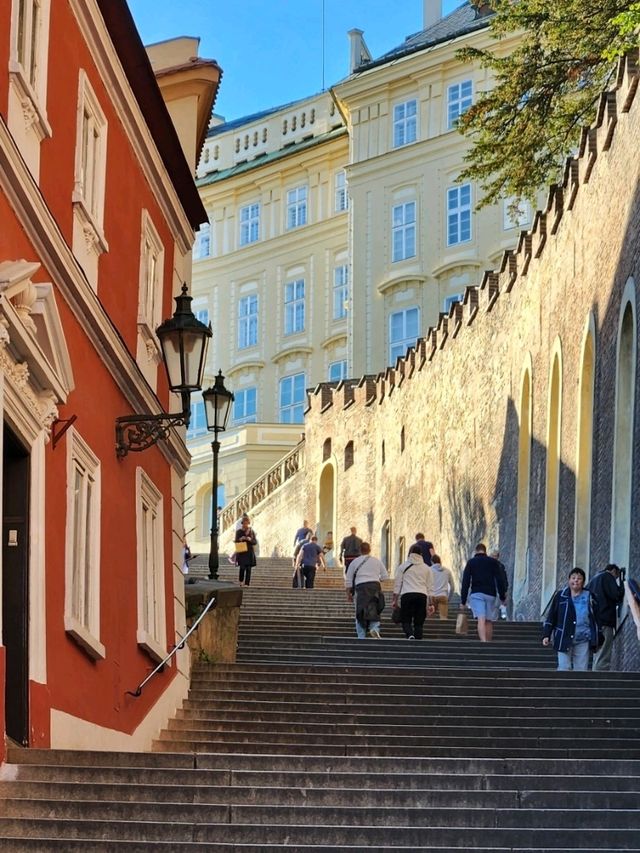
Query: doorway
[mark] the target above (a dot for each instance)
(15, 585)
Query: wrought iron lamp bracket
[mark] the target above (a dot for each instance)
(139, 432)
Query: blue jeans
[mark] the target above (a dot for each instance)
(576, 658)
(361, 631)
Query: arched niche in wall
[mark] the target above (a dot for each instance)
(584, 453)
(621, 518)
(326, 501)
(385, 544)
(521, 564)
(552, 481)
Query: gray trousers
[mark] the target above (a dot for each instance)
(602, 658)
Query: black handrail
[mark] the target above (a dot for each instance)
(138, 691)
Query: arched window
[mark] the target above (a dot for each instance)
(326, 449)
(623, 431)
(584, 468)
(552, 490)
(348, 455)
(521, 565)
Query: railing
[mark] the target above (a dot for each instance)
(271, 480)
(138, 691)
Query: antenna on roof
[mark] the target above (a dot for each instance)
(323, 45)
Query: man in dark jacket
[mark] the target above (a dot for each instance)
(483, 577)
(350, 548)
(608, 593)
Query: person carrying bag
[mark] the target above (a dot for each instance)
(412, 587)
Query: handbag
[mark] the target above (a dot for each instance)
(241, 547)
(462, 624)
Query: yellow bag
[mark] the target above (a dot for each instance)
(462, 624)
(241, 547)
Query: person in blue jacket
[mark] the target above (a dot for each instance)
(570, 625)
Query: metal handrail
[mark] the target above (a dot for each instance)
(138, 691)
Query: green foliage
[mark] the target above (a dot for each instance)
(545, 91)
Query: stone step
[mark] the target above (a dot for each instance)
(52, 844)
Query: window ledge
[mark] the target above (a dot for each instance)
(93, 234)
(34, 114)
(150, 340)
(84, 638)
(151, 646)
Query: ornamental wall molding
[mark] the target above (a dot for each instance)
(40, 405)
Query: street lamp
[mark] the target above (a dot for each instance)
(183, 343)
(217, 406)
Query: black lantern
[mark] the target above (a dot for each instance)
(183, 343)
(217, 407)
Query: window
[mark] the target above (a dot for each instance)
(198, 421)
(248, 321)
(292, 392)
(28, 65)
(249, 224)
(342, 197)
(337, 371)
(348, 455)
(151, 271)
(151, 633)
(297, 207)
(326, 449)
(404, 330)
(202, 247)
(294, 307)
(459, 99)
(516, 213)
(202, 314)
(91, 155)
(340, 291)
(448, 301)
(405, 123)
(82, 547)
(458, 214)
(404, 231)
(244, 406)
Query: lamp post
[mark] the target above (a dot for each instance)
(217, 406)
(183, 343)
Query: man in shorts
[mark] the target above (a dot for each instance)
(480, 580)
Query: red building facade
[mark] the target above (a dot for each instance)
(97, 214)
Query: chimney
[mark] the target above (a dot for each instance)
(432, 12)
(359, 50)
(483, 7)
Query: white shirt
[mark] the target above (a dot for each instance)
(443, 583)
(418, 578)
(369, 569)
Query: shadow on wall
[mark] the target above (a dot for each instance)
(466, 515)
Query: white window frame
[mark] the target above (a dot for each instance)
(151, 634)
(405, 122)
(245, 406)
(249, 216)
(91, 158)
(290, 410)
(248, 307)
(340, 291)
(399, 346)
(202, 245)
(29, 65)
(337, 370)
(82, 547)
(294, 307)
(151, 277)
(457, 102)
(403, 231)
(297, 200)
(459, 214)
(524, 213)
(341, 192)
(202, 314)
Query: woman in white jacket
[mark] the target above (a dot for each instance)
(413, 584)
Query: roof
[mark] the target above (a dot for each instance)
(248, 165)
(465, 19)
(137, 67)
(240, 122)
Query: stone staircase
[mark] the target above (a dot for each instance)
(315, 741)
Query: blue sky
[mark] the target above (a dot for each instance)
(271, 50)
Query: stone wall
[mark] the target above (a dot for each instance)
(435, 439)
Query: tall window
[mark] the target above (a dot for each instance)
(82, 557)
(404, 330)
(552, 492)
(202, 247)
(459, 99)
(403, 231)
(91, 154)
(249, 224)
(248, 321)
(30, 33)
(405, 123)
(294, 307)
(342, 197)
(292, 393)
(151, 269)
(245, 406)
(152, 632)
(337, 371)
(297, 207)
(458, 214)
(198, 421)
(340, 291)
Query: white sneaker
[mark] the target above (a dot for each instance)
(375, 634)
(411, 637)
